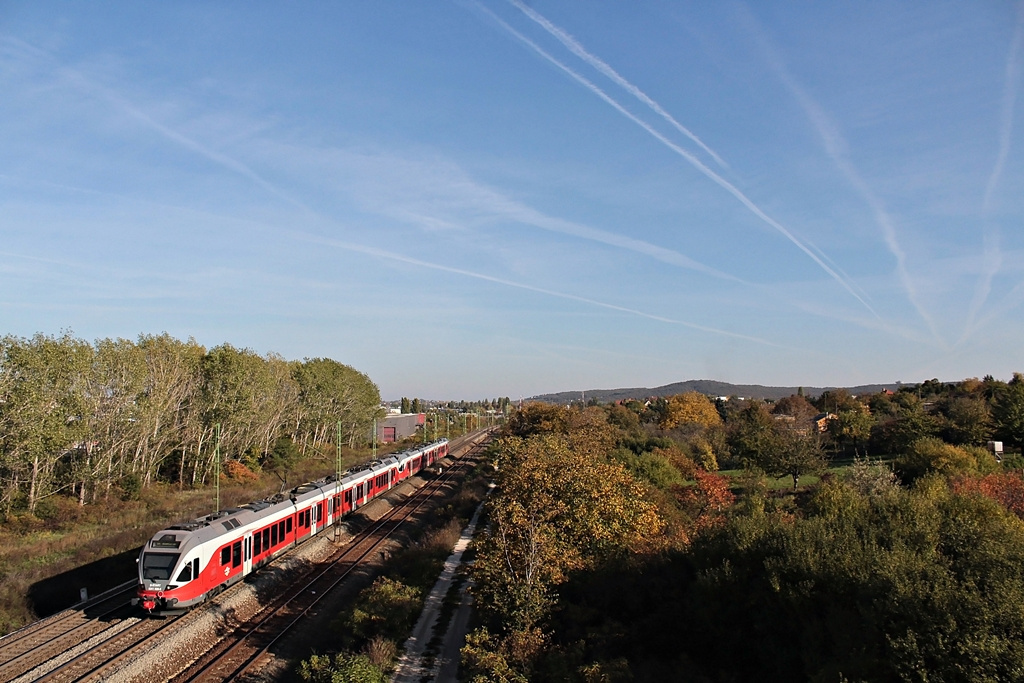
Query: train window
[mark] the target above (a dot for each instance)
(158, 566)
(273, 535)
(266, 538)
(289, 527)
(186, 574)
(225, 555)
(195, 567)
(236, 554)
(257, 543)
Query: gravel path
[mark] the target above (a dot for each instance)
(413, 666)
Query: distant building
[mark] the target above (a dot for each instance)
(821, 421)
(397, 427)
(996, 449)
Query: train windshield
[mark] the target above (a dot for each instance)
(158, 566)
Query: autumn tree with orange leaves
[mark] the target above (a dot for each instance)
(560, 506)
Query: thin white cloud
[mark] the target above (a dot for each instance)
(440, 195)
(392, 256)
(992, 258)
(694, 161)
(91, 87)
(837, 149)
(577, 49)
(1010, 80)
(991, 263)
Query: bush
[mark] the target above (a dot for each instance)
(238, 471)
(931, 454)
(388, 609)
(343, 668)
(131, 487)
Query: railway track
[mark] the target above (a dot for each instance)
(242, 650)
(37, 643)
(98, 639)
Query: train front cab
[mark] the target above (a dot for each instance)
(167, 557)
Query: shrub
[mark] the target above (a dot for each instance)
(131, 487)
(233, 469)
(388, 608)
(931, 454)
(343, 668)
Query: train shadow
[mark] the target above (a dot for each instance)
(269, 582)
(63, 591)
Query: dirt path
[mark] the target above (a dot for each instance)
(420, 662)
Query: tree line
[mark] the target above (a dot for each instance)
(89, 419)
(416, 405)
(616, 552)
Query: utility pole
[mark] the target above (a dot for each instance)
(216, 459)
(337, 486)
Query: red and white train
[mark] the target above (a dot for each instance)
(185, 564)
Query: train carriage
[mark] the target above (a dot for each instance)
(185, 564)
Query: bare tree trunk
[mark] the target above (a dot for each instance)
(32, 485)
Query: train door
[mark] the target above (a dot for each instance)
(247, 553)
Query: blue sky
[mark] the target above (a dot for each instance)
(475, 199)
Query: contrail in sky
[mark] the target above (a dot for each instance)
(991, 263)
(694, 161)
(1012, 75)
(837, 150)
(992, 258)
(392, 256)
(85, 84)
(577, 49)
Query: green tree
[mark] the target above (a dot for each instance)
(910, 423)
(41, 412)
(968, 420)
(1008, 412)
(851, 426)
(753, 435)
(931, 454)
(331, 392)
(556, 510)
(798, 453)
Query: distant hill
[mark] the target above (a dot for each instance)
(708, 387)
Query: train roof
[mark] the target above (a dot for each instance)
(217, 523)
